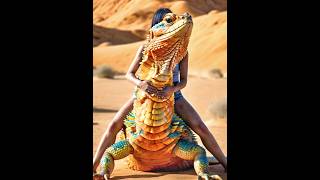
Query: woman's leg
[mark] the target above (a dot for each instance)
(111, 132)
(184, 109)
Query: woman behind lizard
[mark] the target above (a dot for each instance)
(182, 107)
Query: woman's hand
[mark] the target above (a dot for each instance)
(166, 92)
(146, 87)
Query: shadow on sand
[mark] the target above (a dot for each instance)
(158, 174)
(138, 176)
(101, 110)
(214, 170)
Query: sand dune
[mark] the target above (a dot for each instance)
(112, 36)
(136, 14)
(102, 9)
(208, 44)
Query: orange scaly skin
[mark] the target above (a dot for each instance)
(156, 138)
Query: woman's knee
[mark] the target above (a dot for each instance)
(179, 105)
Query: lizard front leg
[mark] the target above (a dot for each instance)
(117, 151)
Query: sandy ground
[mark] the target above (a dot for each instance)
(110, 94)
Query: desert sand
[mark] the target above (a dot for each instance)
(120, 27)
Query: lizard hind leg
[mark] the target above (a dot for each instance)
(117, 151)
(191, 151)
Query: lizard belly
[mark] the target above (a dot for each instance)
(155, 133)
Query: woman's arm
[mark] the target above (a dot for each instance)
(134, 67)
(144, 85)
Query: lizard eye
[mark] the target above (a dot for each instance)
(169, 20)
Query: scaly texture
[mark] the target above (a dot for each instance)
(156, 138)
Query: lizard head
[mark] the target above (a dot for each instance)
(165, 47)
(168, 41)
(172, 26)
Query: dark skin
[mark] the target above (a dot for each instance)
(182, 107)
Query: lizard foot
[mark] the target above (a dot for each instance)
(106, 176)
(98, 177)
(206, 176)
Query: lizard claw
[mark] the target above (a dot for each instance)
(98, 177)
(206, 176)
(215, 177)
(106, 176)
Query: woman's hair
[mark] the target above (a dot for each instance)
(159, 14)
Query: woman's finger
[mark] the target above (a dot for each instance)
(152, 90)
(162, 95)
(152, 87)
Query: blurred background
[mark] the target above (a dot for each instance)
(121, 26)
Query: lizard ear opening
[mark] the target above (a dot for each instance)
(151, 35)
